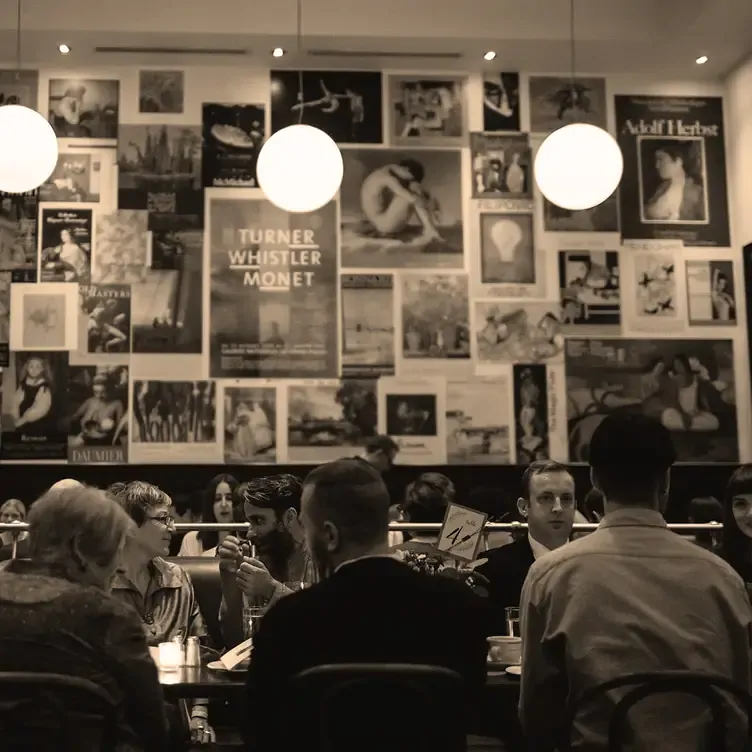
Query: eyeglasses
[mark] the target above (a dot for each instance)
(164, 519)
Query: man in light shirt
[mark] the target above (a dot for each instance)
(548, 506)
(631, 597)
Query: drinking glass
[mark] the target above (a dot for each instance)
(513, 622)
(252, 616)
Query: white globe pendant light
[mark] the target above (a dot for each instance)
(578, 166)
(300, 169)
(28, 149)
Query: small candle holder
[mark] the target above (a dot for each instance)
(170, 656)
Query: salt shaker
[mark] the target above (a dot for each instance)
(179, 642)
(192, 652)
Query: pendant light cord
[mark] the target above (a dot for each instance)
(572, 50)
(18, 39)
(299, 46)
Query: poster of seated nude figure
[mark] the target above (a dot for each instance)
(402, 209)
(687, 384)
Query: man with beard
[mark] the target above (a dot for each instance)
(272, 561)
(368, 608)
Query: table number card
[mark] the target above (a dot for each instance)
(461, 532)
(233, 658)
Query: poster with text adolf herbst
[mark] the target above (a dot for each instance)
(674, 184)
(274, 291)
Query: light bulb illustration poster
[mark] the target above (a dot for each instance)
(509, 264)
(501, 166)
(434, 327)
(590, 291)
(674, 184)
(505, 333)
(274, 290)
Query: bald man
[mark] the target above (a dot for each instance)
(66, 483)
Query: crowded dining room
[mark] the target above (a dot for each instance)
(209, 543)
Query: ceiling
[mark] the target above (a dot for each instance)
(659, 38)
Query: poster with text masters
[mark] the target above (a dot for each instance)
(674, 184)
(274, 288)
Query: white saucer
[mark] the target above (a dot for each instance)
(514, 670)
(219, 666)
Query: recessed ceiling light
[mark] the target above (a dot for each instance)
(63, 49)
(702, 60)
(490, 55)
(278, 52)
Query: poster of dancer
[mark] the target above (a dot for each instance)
(655, 294)
(347, 105)
(435, 323)
(510, 264)
(19, 87)
(590, 292)
(159, 170)
(250, 425)
(66, 245)
(674, 183)
(524, 332)
(557, 101)
(77, 178)
(121, 251)
(5, 285)
(174, 422)
(530, 413)
(413, 413)
(274, 290)
(711, 293)
(35, 410)
(368, 345)
(502, 166)
(161, 91)
(166, 309)
(98, 408)
(104, 323)
(687, 384)
(233, 137)
(501, 102)
(402, 209)
(43, 316)
(478, 421)
(84, 108)
(601, 218)
(427, 110)
(19, 224)
(328, 421)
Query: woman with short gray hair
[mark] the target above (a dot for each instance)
(56, 613)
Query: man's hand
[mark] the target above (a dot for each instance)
(254, 579)
(230, 553)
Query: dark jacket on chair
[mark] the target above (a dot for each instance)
(372, 610)
(506, 569)
(50, 624)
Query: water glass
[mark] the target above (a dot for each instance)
(513, 622)
(252, 616)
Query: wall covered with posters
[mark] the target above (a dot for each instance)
(158, 309)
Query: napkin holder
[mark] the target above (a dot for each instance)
(240, 653)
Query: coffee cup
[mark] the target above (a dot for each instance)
(505, 650)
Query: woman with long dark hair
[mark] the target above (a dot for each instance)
(217, 507)
(736, 548)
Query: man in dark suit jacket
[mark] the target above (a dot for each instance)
(548, 505)
(368, 608)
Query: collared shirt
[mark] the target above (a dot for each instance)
(538, 548)
(169, 607)
(630, 597)
(361, 558)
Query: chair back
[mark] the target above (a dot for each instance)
(378, 708)
(716, 692)
(44, 712)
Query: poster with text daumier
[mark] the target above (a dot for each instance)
(674, 184)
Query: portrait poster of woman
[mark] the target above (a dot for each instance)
(250, 424)
(34, 406)
(530, 413)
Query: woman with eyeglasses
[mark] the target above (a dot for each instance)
(161, 592)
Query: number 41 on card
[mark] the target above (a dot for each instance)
(461, 532)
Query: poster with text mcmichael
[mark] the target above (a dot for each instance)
(674, 184)
(274, 287)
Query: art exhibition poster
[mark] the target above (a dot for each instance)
(274, 288)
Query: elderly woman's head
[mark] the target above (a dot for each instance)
(80, 529)
(149, 508)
